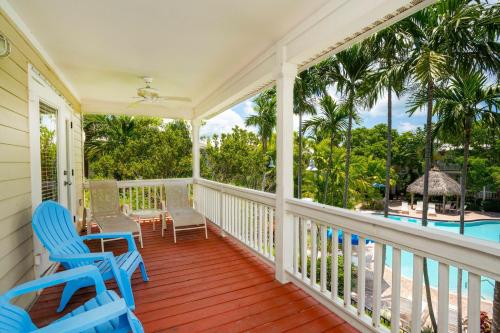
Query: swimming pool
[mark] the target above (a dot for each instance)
(482, 229)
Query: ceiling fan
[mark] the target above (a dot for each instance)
(148, 94)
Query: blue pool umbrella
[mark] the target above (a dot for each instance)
(354, 238)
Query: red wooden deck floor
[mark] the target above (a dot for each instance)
(212, 285)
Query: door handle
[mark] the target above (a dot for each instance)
(67, 183)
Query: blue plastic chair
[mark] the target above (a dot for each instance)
(54, 227)
(104, 313)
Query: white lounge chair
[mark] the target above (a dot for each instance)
(432, 209)
(183, 215)
(404, 207)
(105, 205)
(419, 206)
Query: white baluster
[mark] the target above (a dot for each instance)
(377, 284)
(443, 297)
(322, 276)
(346, 241)
(416, 301)
(335, 264)
(271, 233)
(474, 304)
(261, 222)
(361, 275)
(265, 219)
(314, 252)
(396, 290)
(303, 249)
(296, 245)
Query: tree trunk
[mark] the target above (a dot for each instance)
(387, 168)
(428, 152)
(463, 184)
(389, 152)
(299, 164)
(496, 308)
(329, 170)
(264, 150)
(347, 160)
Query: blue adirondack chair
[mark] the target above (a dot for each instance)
(54, 227)
(104, 313)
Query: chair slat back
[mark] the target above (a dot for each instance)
(177, 196)
(14, 319)
(54, 227)
(104, 197)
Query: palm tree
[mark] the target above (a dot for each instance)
(104, 134)
(460, 106)
(352, 72)
(466, 30)
(307, 86)
(332, 120)
(390, 46)
(264, 120)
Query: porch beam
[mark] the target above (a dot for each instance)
(285, 78)
(195, 134)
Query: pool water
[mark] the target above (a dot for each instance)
(483, 229)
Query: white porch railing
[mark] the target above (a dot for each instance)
(140, 194)
(248, 216)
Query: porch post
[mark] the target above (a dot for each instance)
(195, 132)
(285, 78)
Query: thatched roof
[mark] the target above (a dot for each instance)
(439, 184)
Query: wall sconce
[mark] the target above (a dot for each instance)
(4, 46)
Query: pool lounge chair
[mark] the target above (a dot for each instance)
(106, 312)
(105, 205)
(419, 207)
(432, 209)
(183, 215)
(404, 207)
(54, 228)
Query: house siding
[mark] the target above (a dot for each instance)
(16, 235)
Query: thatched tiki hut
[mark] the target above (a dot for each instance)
(440, 184)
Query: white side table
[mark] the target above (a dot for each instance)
(151, 214)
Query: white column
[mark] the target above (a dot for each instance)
(285, 78)
(195, 133)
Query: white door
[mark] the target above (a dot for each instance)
(52, 174)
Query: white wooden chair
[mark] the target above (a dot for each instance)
(106, 211)
(184, 216)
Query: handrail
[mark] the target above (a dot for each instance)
(147, 182)
(265, 198)
(474, 255)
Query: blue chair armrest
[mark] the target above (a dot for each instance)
(106, 235)
(61, 277)
(88, 319)
(82, 256)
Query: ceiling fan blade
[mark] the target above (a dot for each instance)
(176, 98)
(135, 104)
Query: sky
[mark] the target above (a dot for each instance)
(235, 116)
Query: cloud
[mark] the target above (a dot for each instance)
(407, 126)
(222, 123)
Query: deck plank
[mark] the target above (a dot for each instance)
(200, 285)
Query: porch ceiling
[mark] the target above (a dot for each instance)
(190, 47)
(214, 52)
